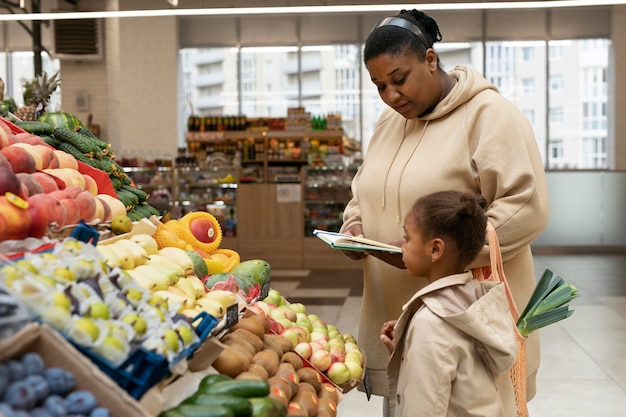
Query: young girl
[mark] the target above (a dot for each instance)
(454, 342)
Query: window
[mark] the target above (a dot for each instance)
(556, 154)
(556, 115)
(530, 114)
(528, 53)
(528, 85)
(593, 153)
(23, 63)
(556, 83)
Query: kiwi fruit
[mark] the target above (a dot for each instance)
(311, 376)
(282, 384)
(326, 405)
(308, 400)
(250, 337)
(268, 359)
(328, 390)
(230, 362)
(292, 358)
(258, 369)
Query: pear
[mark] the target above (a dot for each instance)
(211, 306)
(186, 286)
(163, 261)
(127, 260)
(224, 297)
(198, 286)
(180, 256)
(147, 242)
(139, 253)
(156, 275)
(175, 295)
(142, 279)
(109, 256)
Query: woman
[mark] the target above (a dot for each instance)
(441, 131)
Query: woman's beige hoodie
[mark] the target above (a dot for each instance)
(474, 140)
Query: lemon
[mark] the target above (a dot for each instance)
(121, 224)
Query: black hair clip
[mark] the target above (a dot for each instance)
(405, 24)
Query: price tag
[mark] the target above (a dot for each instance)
(264, 290)
(232, 315)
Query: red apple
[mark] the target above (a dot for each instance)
(32, 186)
(321, 359)
(20, 159)
(203, 230)
(56, 211)
(9, 182)
(15, 212)
(39, 221)
(47, 182)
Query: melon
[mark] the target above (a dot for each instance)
(61, 119)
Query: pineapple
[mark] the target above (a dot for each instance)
(37, 95)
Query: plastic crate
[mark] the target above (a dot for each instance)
(143, 369)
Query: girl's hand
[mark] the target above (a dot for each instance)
(388, 334)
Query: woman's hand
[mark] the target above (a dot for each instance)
(388, 334)
(354, 230)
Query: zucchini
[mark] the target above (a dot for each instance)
(141, 194)
(239, 388)
(212, 379)
(189, 410)
(36, 128)
(240, 406)
(78, 140)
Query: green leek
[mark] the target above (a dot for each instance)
(548, 304)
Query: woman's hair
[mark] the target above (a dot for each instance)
(454, 216)
(394, 40)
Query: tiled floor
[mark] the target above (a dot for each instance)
(583, 371)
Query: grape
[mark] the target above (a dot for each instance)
(100, 412)
(20, 395)
(60, 381)
(16, 370)
(55, 405)
(40, 385)
(33, 363)
(80, 402)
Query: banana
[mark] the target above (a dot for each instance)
(211, 306)
(198, 286)
(179, 256)
(139, 254)
(141, 279)
(186, 286)
(127, 260)
(155, 275)
(111, 259)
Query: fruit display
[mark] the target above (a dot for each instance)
(99, 308)
(29, 387)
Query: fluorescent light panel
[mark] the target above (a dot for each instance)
(243, 11)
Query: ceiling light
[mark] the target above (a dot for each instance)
(247, 11)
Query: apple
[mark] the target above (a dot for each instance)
(47, 182)
(356, 369)
(303, 349)
(15, 212)
(32, 186)
(9, 182)
(264, 307)
(275, 326)
(339, 373)
(349, 338)
(56, 211)
(282, 311)
(317, 345)
(274, 297)
(354, 355)
(296, 335)
(19, 158)
(298, 308)
(303, 321)
(321, 359)
(350, 346)
(286, 323)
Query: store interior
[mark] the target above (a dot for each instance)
(289, 182)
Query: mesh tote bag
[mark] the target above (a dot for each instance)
(495, 272)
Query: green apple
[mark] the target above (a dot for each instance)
(339, 373)
(99, 310)
(298, 307)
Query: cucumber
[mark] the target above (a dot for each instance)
(171, 413)
(36, 128)
(267, 406)
(141, 194)
(83, 143)
(133, 215)
(212, 379)
(239, 388)
(117, 183)
(240, 406)
(189, 410)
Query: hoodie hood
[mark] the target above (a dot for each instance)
(468, 84)
(479, 309)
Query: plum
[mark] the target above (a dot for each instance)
(80, 402)
(40, 385)
(60, 381)
(55, 405)
(20, 395)
(100, 412)
(40, 412)
(4, 378)
(6, 410)
(16, 370)
(33, 363)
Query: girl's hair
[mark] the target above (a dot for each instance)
(394, 40)
(456, 216)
